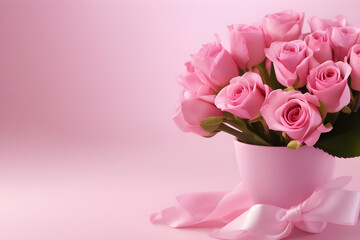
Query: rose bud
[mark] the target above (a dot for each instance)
(282, 26)
(294, 113)
(291, 62)
(328, 82)
(320, 24)
(193, 84)
(244, 96)
(342, 39)
(191, 112)
(319, 43)
(216, 65)
(355, 65)
(247, 45)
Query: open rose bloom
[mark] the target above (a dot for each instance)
(278, 85)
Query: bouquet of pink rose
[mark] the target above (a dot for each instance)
(278, 87)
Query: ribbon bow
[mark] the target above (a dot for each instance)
(328, 204)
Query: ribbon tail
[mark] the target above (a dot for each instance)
(205, 209)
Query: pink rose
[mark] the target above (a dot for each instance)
(355, 65)
(215, 64)
(247, 45)
(191, 112)
(329, 83)
(291, 62)
(319, 43)
(294, 113)
(342, 39)
(244, 96)
(282, 26)
(320, 24)
(193, 84)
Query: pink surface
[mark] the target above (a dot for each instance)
(87, 91)
(103, 192)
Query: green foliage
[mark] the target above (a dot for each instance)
(249, 134)
(293, 144)
(235, 126)
(246, 137)
(322, 110)
(241, 72)
(211, 124)
(344, 140)
(289, 89)
(346, 110)
(272, 81)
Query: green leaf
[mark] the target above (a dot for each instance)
(256, 119)
(243, 136)
(273, 82)
(293, 144)
(346, 110)
(250, 136)
(328, 125)
(241, 72)
(263, 72)
(260, 126)
(228, 115)
(286, 137)
(211, 124)
(289, 89)
(332, 117)
(238, 123)
(356, 100)
(297, 82)
(344, 140)
(322, 110)
(252, 139)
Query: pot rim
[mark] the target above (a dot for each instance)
(236, 142)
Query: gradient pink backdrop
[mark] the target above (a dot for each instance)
(87, 91)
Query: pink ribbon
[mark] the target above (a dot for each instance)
(328, 204)
(205, 209)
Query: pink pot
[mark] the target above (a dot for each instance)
(280, 176)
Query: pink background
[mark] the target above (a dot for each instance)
(87, 91)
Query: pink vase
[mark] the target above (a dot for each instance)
(280, 176)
